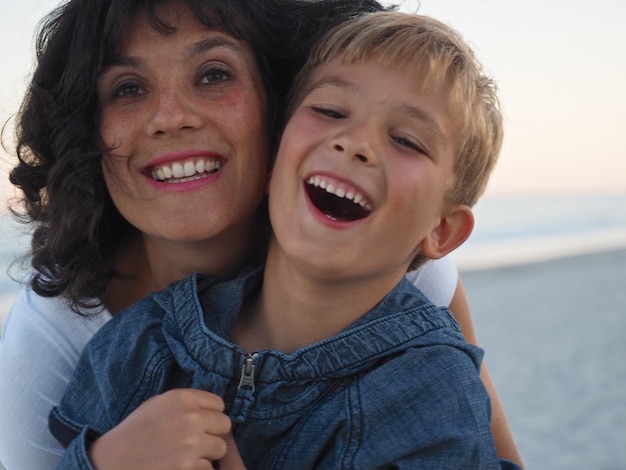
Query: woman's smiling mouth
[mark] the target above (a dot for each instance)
(187, 170)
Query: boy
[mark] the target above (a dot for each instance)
(327, 357)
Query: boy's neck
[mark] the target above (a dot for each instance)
(296, 307)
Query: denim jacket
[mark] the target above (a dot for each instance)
(399, 388)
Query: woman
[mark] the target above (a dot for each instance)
(138, 167)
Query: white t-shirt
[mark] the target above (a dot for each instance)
(42, 340)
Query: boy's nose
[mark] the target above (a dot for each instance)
(359, 156)
(356, 142)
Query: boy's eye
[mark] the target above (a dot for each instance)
(328, 112)
(214, 75)
(403, 141)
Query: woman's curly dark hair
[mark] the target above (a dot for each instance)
(77, 228)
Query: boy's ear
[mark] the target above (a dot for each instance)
(452, 231)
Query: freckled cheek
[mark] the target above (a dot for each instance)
(116, 134)
(116, 131)
(246, 119)
(117, 175)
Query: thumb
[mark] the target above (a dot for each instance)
(232, 459)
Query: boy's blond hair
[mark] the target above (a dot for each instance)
(439, 56)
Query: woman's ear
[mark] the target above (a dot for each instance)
(453, 229)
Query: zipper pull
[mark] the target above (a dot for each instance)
(247, 373)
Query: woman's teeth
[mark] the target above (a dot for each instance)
(187, 169)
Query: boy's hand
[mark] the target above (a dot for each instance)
(232, 459)
(181, 428)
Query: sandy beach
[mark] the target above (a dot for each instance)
(555, 340)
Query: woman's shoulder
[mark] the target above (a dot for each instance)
(437, 279)
(51, 319)
(43, 335)
(42, 339)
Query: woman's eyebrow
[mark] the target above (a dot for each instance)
(194, 49)
(121, 61)
(212, 43)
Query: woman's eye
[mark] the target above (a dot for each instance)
(214, 75)
(127, 89)
(331, 113)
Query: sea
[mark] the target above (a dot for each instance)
(509, 230)
(513, 230)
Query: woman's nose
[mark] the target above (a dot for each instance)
(173, 112)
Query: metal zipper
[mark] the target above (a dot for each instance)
(247, 373)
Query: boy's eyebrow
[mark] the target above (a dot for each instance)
(411, 111)
(194, 49)
(335, 81)
(425, 117)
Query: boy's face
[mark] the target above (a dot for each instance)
(362, 170)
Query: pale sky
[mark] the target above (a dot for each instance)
(560, 66)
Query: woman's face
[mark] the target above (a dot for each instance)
(184, 117)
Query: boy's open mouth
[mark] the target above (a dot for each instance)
(337, 201)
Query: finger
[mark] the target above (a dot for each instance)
(232, 460)
(193, 398)
(216, 423)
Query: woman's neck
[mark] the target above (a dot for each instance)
(148, 265)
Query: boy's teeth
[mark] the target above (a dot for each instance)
(349, 194)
